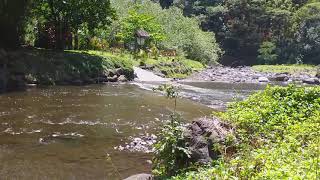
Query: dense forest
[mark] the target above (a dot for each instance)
(242, 32)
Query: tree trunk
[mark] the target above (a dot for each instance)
(3, 72)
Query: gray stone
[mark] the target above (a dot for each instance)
(140, 177)
(201, 136)
(122, 78)
(280, 77)
(263, 79)
(148, 67)
(113, 78)
(311, 81)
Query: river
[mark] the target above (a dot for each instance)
(68, 132)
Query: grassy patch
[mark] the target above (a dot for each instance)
(172, 67)
(291, 69)
(176, 67)
(49, 67)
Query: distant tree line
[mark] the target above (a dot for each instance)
(247, 31)
(264, 31)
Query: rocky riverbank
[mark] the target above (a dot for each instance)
(248, 75)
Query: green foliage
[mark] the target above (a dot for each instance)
(64, 17)
(178, 67)
(291, 69)
(267, 54)
(275, 109)
(51, 67)
(241, 26)
(307, 28)
(182, 33)
(279, 137)
(171, 153)
(136, 21)
(98, 44)
(171, 150)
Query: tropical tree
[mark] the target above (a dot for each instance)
(136, 21)
(71, 15)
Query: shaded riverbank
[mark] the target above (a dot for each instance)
(45, 67)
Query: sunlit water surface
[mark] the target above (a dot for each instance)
(68, 132)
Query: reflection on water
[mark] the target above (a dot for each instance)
(67, 132)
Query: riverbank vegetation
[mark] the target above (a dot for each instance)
(290, 69)
(259, 32)
(277, 137)
(241, 32)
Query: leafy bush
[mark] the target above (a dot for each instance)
(279, 134)
(307, 36)
(267, 54)
(98, 44)
(171, 150)
(136, 21)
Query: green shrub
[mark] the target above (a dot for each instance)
(267, 53)
(171, 150)
(278, 130)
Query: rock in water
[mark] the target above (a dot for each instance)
(263, 79)
(311, 81)
(280, 77)
(113, 78)
(140, 177)
(122, 78)
(202, 135)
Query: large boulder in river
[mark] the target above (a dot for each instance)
(140, 177)
(280, 77)
(202, 136)
(263, 79)
(311, 81)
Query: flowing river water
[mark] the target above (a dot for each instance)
(68, 132)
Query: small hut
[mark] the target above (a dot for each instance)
(142, 36)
